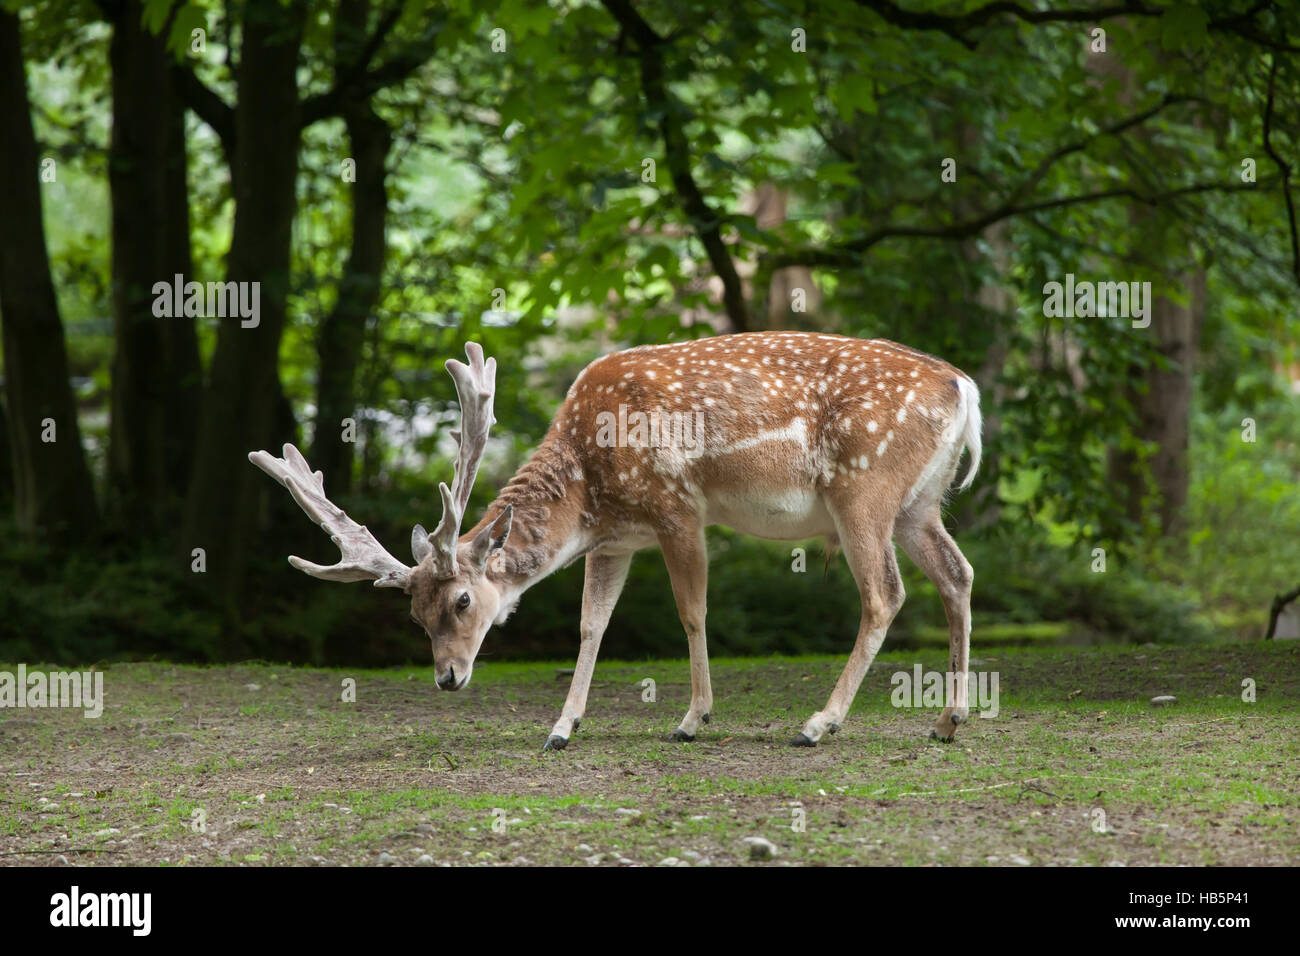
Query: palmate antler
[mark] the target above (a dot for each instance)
(364, 558)
(476, 384)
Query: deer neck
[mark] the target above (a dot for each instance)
(547, 529)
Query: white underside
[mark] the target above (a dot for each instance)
(782, 516)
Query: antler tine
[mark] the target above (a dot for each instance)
(476, 385)
(363, 558)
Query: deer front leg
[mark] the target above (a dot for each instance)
(602, 585)
(687, 558)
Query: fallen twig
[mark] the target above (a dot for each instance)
(1030, 786)
(1011, 783)
(451, 764)
(1220, 719)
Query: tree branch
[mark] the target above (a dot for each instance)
(957, 25)
(361, 82)
(204, 101)
(850, 253)
(677, 156)
(1114, 129)
(208, 105)
(1283, 167)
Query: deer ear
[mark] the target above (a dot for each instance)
(491, 539)
(420, 546)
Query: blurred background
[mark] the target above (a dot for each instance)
(560, 179)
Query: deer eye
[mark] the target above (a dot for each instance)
(462, 602)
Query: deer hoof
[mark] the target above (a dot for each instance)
(945, 728)
(803, 740)
(706, 717)
(555, 742)
(831, 728)
(577, 722)
(934, 735)
(681, 736)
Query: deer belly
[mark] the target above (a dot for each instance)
(781, 515)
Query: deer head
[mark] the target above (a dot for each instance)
(452, 597)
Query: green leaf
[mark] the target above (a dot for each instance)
(1184, 25)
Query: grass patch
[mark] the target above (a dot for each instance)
(1078, 767)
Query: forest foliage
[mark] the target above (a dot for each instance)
(559, 179)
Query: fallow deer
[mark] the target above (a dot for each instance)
(783, 435)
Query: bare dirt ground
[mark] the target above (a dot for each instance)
(259, 765)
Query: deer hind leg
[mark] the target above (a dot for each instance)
(870, 554)
(928, 544)
(605, 574)
(688, 568)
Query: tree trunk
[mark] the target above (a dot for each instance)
(6, 460)
(777, 301)
(240, 404)
(341, 336)
(997, 299)
(992, 319)
(1164, 409)
(53, 491)
(1161, 398)
(156, 374)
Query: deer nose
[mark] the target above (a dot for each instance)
(448, 680)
